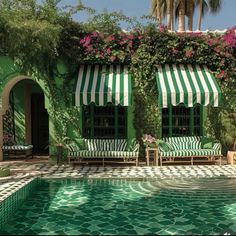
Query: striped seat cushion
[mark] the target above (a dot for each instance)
(94, 154)
(191, 152)
(17, 147)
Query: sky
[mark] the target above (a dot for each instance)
(226, 18)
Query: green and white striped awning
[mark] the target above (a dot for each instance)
(103, 84)
(187, 84)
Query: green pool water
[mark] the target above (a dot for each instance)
(127, 207)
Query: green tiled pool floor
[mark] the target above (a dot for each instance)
(190, 206)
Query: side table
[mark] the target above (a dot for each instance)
(150, 150)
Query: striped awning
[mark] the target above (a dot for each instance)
(103, 84)
(187, 84)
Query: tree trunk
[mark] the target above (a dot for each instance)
(170, 15)
(159, 20)
(199, 15)
(190, 15)
(181, 17)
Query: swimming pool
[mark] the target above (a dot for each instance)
(121, 207)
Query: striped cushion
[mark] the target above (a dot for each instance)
(106, 144)
(93, 154)
(194, 145)
(192, 152)
(17, 147)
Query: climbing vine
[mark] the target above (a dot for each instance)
(38, 37)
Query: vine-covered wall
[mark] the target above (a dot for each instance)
(51, 51)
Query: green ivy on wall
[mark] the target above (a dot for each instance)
(44, 39)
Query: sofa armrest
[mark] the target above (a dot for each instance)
(72, 147)
(136, 147)
(217, 147)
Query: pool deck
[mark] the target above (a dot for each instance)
(27, 169)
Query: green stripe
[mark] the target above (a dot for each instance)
(199, 84)
(82, 84)
(175, 85)
(183, 85)
(90, 84)
(106, 85)
(167, 86)
(194, 96)
(121, 85)
(129, 88)
(114, 85)
(211, 95)
(218, 89)
(98, 84)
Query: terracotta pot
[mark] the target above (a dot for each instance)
(231, 157)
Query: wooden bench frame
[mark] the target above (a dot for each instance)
(193, 159)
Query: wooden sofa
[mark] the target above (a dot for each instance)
(188, 149)
(107, 150)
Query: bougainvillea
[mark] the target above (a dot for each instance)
(115, 48)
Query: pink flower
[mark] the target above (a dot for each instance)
(113, 58)
(188, 53)
(108, 50)
(162, 28)
(221, 74)
(130, 44)
(130, 36)
(175, 50)
(94, 34)
(101, 55)
(110, 38)
(122, 42)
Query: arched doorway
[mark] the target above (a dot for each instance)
(24, 115)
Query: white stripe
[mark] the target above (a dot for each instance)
(85, 91)
(126, 86)
(171, 84)
(198, 91)
(213, 86)
(189, 90)
(205, 88)
(163, 87)
(117, 92)
(78, 86)
(102, 84)
(110, 80)
(95, 79)
(181, 90)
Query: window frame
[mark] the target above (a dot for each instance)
(191, 125)
(116, 123)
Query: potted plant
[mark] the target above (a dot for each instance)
(149, 140)
(60, 142)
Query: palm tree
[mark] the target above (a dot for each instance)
(181, 16)
(213, 5)
(190, 4)
(156, 10)
(162, 8)
(170, 13)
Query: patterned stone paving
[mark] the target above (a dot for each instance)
(22, 170)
